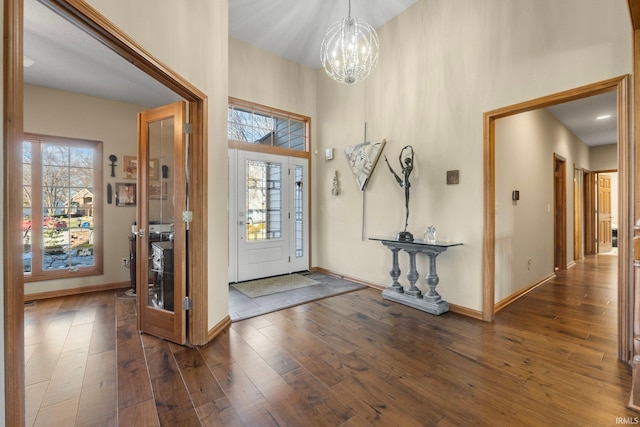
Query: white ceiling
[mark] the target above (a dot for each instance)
(580, 117)
(68, 59)
(294, 29)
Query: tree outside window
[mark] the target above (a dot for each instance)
(60, 177)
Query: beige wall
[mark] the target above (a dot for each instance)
(267, 79)
(604, 157)
(193, 41)
(442, 65)
(259, 76)
(525, 145)
(58, 113)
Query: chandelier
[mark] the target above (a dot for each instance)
(349, 51)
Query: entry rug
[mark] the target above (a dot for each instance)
(272, 285)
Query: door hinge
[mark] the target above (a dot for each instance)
(186, 303)
(187, 128)
(187, 216)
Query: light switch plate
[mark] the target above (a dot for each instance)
(328, 154)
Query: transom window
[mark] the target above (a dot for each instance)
(61, 224)
(255, 124)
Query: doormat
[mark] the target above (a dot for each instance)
(273, 285)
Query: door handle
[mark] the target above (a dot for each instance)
(240, 222)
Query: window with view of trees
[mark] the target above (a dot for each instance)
(276, 129)
(61, 213)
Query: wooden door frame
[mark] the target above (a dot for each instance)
(596, 174)
(91, 21)
(589, 213)
(621, 86)
(559, 212)
(578, 213)
(96, 25)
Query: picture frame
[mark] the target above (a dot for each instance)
(126, 194)
(154, 169)
(157, 191)
(130, 168)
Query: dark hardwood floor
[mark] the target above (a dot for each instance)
(350, 360)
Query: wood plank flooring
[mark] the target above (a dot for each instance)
(350, 360)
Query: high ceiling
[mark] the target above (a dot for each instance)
(294, 29)
(68, 59)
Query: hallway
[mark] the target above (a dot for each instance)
(353, 359)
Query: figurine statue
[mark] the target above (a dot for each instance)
(335, 190)
(430, 234)
(407, 167)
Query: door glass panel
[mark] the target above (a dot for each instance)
(161, 214)
(298, 209)
(263, 200)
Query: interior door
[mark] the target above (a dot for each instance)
(268, 234)
(161, 236)
(560, 213)
(604, 213)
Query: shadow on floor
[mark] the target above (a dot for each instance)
(242, 307)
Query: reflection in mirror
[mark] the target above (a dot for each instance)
(161, 221)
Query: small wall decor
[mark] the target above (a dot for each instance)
(362, 160)
(154, 169)
(335, 189)
(109, 194)
(125, 194)
(158, 190)
(113, 158)
(453, 177)
(129, 167)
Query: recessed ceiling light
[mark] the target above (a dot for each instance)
(27, 62)
(604, 116)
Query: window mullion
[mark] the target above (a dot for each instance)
(36, 208)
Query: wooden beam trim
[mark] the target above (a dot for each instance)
(13, 292)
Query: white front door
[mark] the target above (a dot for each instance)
(268, 215)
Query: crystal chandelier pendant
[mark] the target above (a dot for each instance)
(349, 51)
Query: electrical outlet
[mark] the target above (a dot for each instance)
(124, 261)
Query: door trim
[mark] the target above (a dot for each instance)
(589, 213)
(559, 212)
(96, 25)
(621, 86)
(236, 158)
(90, 21)
(13, 105)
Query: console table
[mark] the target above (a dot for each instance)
(431, 302)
